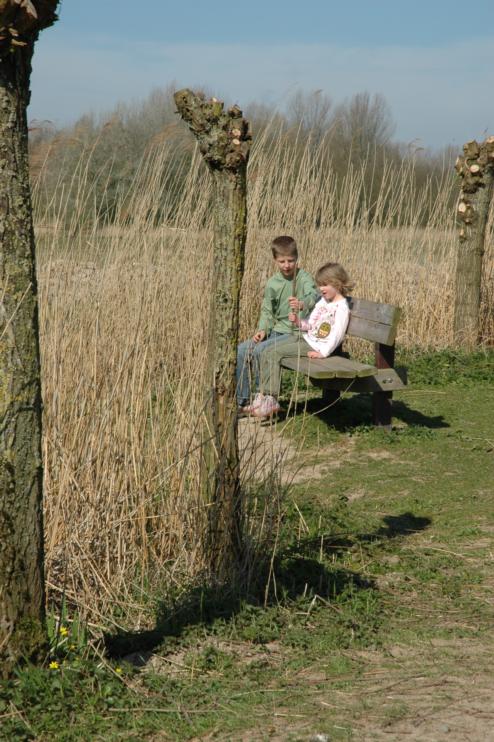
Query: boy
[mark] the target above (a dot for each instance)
(277, 304)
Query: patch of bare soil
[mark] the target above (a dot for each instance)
(266, 453)
(380, 455)
(244, 653)
(446, 694)
(443, 695)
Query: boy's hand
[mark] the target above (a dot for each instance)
(295, 304)
(259, 336)
(314, 354)
(292, 317)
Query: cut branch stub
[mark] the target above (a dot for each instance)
(466, 211)
(471, 149)
(476, 165)
(22, 20)
(224, 137)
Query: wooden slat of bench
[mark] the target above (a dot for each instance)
(373, 321)
(334, 367)
(373, 310)
(385, 380)
(373, 331)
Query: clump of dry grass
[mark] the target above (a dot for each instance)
(124, 312)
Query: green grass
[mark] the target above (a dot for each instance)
(382, 579)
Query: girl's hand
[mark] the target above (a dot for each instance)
(259, 336)
(292, 317)
(295, 304)
(314, 354)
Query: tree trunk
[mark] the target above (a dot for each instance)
(224, 141)
(22, 597)
(476, 169)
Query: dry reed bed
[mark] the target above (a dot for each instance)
(124, 311)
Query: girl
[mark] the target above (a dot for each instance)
(321, 334)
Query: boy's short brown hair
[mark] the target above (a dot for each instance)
(284, 246)
(333, 274)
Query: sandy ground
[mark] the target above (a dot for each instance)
(401, 696)
(405, 695)
(440, 692)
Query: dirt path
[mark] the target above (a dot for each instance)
(266, 452)
(440, 690)
(263, 451)
(402, 695)
(418, 539)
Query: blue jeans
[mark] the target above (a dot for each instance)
(248, 354)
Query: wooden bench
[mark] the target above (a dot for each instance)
(370, 321)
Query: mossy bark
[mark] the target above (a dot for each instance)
(22, 595)
(476, 169)
(224, 141)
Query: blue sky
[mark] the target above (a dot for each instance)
(433, 61)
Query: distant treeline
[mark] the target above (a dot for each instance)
(106, 152)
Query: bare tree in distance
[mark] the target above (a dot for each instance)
(22, 594)
(224, 141)
(476, 170)
(131, 132)
(364, 123)
(311, 112)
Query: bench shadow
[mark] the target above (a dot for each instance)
(416, 418)
(296, 572)
(355, 411)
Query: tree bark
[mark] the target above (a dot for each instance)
(476, 169)
(22, 595)
(224, 141)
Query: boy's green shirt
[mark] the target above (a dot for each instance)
(275, 307)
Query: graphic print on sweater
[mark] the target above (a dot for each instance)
(325, 329)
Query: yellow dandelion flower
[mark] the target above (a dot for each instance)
(118, 670)
(64, 631)
(54, 665)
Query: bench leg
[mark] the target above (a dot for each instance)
(382, 401)
(330, 396)
(382, 409)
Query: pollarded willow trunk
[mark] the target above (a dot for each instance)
(476, 169)
(224, 141)
(22, 597)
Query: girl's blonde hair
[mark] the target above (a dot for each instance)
(333, 274)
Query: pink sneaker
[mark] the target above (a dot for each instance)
(256, 402)
(268, 406)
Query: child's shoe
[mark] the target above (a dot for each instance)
(256, 402)
(268, 406)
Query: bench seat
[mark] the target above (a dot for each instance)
(334, 367)
(340, 371)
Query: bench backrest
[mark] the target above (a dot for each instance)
(372, 321)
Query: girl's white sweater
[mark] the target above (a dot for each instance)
(326, 326)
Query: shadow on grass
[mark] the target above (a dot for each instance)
(395, 526)
(356, 411)
(297, 572)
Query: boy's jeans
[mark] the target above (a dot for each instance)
(248, 354)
